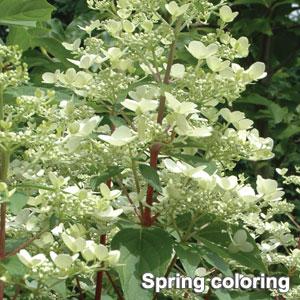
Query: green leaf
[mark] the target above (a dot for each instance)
(107, 297)
(289, 132)
(263, 2)
(13, 266)
(59, 287)
(12, 244)
(251, 296)
(189, 257)
(277, 112)
(117, 121)
(218, 262)
(24, 12)
(260, 25)
(41, 37)
(151, 176)
(55, 48)
(142, 250)
(16, 202)
(12, 93)
(111, 172)
(19, 36)
(214, 234)
(222, 294)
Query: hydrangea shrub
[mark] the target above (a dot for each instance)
(136, 172)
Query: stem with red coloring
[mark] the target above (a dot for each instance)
(99, 280)
(147, 218)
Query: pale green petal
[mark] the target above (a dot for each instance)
(177, 71)
(246, 247)
(240, 236)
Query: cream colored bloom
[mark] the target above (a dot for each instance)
(31, 261)
(182, 108)
(120, 137)
(93, 251)
(176, 10)
(257, 71)
(226, 14)
(200, 51)
(140, 107)
(178, 71)
(74, 46)
(75, 245)
(216, 64)
(237, 119)
(239, 243)
(63, 261)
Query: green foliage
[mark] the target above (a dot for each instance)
(151, 176)
(142, 251)
(273, 103)
(24, 12)
(16, 202)
(215, 236)
(14, 267)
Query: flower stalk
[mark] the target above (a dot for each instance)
(99, 280)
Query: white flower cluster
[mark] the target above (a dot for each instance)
(12, 71)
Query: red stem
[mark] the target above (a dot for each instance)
(154, 151)
(99, 280)
(147, 217)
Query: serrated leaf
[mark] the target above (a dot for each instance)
(13, 266)
(19, 36)
(263, 2)
(12, 93)
(111, 172)
(142, 250)
(151, 176)
(215, 236)
(16, 202)
(217, 262)
(24, 12)
(189, 257)
(12, 244)
(117, 121)
(290, 131)
(222, 294)
(59, 287)
(276, 111)
(251, 296)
